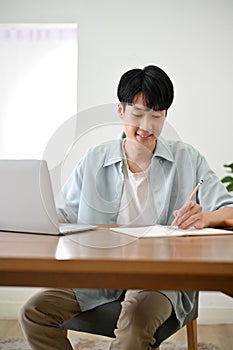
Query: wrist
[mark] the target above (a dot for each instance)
(217, 217)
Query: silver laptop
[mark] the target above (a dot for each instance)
(27, 201)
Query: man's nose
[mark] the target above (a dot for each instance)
(145, 124)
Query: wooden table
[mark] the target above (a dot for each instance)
(106, 259)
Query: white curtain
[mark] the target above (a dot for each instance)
(38, 85)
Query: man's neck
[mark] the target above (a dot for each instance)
(138, 157)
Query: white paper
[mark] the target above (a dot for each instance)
(167, 231)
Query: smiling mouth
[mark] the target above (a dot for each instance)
(143, 137)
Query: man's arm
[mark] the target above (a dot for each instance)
(218, 217)
(60, 218)
(191, 215)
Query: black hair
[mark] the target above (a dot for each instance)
(152, 82)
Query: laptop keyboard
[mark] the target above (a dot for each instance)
(69, 228)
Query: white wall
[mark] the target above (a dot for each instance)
(191, 40)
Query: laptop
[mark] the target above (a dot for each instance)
(27, 201)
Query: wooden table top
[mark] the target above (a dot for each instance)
(106, 259)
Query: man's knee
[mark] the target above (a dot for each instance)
(32, 306)
(49, 306)
(145, 307)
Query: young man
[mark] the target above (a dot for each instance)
(139, 179)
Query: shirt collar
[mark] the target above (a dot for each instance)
(115, 155)
(163, 149)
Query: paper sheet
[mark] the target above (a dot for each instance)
(168, 231)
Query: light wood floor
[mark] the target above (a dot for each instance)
(219, 335)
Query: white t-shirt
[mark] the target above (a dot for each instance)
(137, 204)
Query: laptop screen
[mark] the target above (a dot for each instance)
(26, 201)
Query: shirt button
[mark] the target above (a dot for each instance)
(161, 161)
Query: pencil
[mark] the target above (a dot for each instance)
(189, 198)
(195, 190)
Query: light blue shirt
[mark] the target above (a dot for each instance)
(93, 192)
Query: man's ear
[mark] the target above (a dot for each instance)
(120, 110)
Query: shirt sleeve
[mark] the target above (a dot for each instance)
(68, 198)
(212, 195)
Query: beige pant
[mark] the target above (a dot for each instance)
(142, 313)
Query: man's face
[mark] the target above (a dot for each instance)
(141, 124)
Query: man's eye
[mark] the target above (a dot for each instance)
(156, 116)
(137, 115)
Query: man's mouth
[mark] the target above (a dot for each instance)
(143, 137)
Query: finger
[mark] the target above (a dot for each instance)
(193, 221)
(195, 210)
(178, 214)
(191, 209)
(187, 206)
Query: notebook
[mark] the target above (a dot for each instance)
(27, 201)
(168, 231)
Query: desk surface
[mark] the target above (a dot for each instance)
(106, 259)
